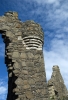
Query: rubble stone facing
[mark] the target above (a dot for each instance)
(23, 58)
(25, 62)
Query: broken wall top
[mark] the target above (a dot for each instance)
(10, 22)
(57, 82)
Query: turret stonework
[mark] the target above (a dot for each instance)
(24, 58)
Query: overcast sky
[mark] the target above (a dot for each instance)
(52, 15)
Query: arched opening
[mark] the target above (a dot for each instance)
(3, 70)
(10, 79)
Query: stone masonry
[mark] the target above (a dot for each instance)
(25, 62)
(24, 58)
(56, 86)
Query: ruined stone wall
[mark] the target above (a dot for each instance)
(25, 62)
(23, 58)
(56, 86)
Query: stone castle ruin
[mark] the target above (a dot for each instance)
(25, 62)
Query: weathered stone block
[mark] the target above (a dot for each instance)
(31, 81)
(9, 34)
(23, 55)
(16, 71)
(10, 74)
(16, 65)
(20, 38)
(23, 63)
(25, 82)
(16, 90)
(19, 81)
(26, 86)
(30, 55)
(29, 95)
(30, 64)
(15, 54)
(24, 72)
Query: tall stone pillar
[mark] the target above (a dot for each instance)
(24, 58)
(56, 86)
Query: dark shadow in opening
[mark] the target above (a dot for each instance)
(56, 93)
(11, 85)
